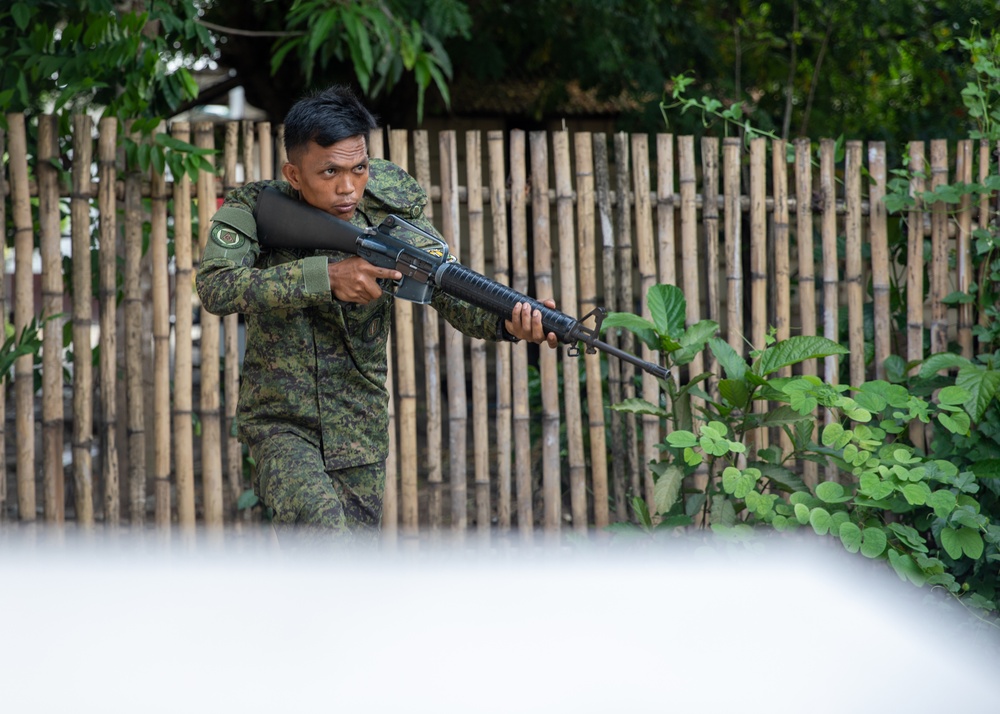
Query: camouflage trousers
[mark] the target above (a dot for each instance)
(311, 503)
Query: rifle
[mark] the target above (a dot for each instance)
(283, 222)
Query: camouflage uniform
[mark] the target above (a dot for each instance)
(313, 406)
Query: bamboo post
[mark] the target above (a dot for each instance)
(710, 220)
(519, 352)
(915, 273)
(183, 426)
(83, 384)
(547, 359)
(108, 298)
(480, 399)
(782, 270)
(233, 452)
(879, 237)
(432, 359)
(852, 273)
(161, 352)
(4, 313)
(609, 272)
(24, 313)
(265, 150)
(939, 249)
(406, 383)
(569, 300)
(732, 228)
(623, 248)
(758, 263)
(211, 431)
(454, 343)
(583, 146)
(501, 273)
(689, 240)
(983, 221)
(828, 229)
(53, 478)
(133, 392)
(647, 279)
(963, 246)
(807, 267)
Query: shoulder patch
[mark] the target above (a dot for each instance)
(226, 237)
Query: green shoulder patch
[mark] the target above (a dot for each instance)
(226, 237)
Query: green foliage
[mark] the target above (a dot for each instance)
(377, 39)
(931, 517)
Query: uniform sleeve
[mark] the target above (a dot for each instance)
(232, 277)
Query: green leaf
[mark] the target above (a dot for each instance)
(247, 499)
(668, 308)
(667, 488)
(873, 542)
(850, 536)
(916, 493)
(795, 350)
(955, 423)
(22, 15)
(733, 365)
(819, 519)
(831, 492)
(944, 360)
(942, 501)
(735, 392)
(982, 386)
(681, 439)
(635, 405)
(699, 333)
(962, 541)
(906, 568)
(802, 513)
(640, 326)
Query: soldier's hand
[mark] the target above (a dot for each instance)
(354, 279)
(526, 324)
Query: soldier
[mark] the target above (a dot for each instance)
(313, 407)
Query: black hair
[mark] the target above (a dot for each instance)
(326, 117)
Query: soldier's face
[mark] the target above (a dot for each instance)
(331, 178)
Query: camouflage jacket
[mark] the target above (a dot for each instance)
(315, 366)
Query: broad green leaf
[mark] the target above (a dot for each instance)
(942, 501)
(831, 492)
(699, 333)
(802, 513)
(735, 392)
(794, 350)
(247, 499)
(667, 488)
(916, 493)
(850, 536)
(953, 395)
(908, 535)
(819, 519)
(681, 439)
(785, 478)
(962, 541)
(873, 541)
(635, 405)
(641, 327)
(906, 568)
(959, 423)
(943, 360)
(668, 308)
(982, 385)
(723, 512)
(733, 365)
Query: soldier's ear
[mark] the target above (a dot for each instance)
(291, 173)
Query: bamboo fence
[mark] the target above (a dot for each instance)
(583, 219)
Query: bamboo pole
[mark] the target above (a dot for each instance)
(83, 381)
(782, 269)
(915, 273)
(609, 272)
(689, 240)
(265, 150)
(758, 263)
(501, 273)
(583, 146)
(732, 227)
(406, 383)
(853, 270)
(432, 360)
(828, 230)
(211, 431)
(710, 220)
(984, 222)
(133, 393)
(807, 267)
(939, 249)
(24, 313)
(108, 300)
(623, 249)
(454, 344)
(183, 426)
(647, 279)
(569, 300)
(547, 359)
(963, 246)
(161, 352)
(53, 477)
(480, 399)
(232, 451)
(519, 352)
(4, 313)
(879, 237)
(390, 494)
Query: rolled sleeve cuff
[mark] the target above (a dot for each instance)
(315, 274)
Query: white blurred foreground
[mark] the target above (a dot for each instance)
(96, 627)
